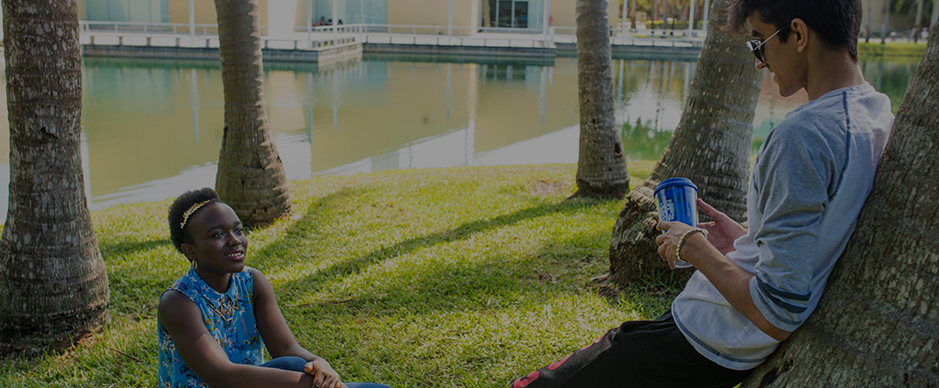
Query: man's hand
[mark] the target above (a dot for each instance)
(668, 241)
(722, 231)
(323, 374)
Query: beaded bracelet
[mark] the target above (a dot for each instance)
(681, 241)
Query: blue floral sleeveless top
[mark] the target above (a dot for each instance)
(229, 317)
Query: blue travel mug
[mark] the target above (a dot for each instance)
(675, 199)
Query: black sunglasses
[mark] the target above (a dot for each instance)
(756, 45)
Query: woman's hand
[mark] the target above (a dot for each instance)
(323, 374)
(668, 241)
(722, 231)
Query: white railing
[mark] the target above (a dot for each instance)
(503, 30)
(418, 30)
(206, 35)
(148, 34)
(474, 41)
(177, 29)
(648, 37)
(344, 29)
(438, 35)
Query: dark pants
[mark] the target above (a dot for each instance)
(296, 364)
(635, 354)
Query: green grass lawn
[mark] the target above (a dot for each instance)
(464, 277)
(907, 49)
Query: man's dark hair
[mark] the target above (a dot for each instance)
(837, 22)
(180, 206)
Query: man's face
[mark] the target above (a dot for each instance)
(783, 59)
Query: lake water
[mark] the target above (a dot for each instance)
(152, 129)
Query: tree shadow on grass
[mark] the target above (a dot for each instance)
(473, 314)
(492, 283)
(306, 229)
(126, 247)
(464, 231)
(135, 286)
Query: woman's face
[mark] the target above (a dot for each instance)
(218, 240)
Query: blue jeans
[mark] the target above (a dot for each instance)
(296, 364)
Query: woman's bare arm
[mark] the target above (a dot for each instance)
(181, 318)
(278, 338)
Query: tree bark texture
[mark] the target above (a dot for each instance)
(251, 176)
(601, 162)
(710, 146)
(632, 24)
(877, 324)
(53, 282)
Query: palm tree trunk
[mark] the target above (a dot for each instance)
(883, 34)
(710, 146)
(601, 163)
(654, 13)
(53, 282)
(250, 175)
(878, 323)
(632, 25)
(666, 10)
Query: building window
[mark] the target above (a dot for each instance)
(525, 14)
(352, 11)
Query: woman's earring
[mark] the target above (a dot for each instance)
(195, 265)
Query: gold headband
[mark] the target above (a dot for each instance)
(192, 209)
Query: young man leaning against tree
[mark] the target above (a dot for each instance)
(755, 286)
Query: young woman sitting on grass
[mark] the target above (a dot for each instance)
(214, 321)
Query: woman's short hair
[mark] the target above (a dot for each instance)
(178, 210)
(837, 22)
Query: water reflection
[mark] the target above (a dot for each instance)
(890, 76)
(152, 129)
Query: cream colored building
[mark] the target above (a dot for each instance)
(466, 14)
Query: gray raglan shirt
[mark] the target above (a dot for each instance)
(809, 181)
